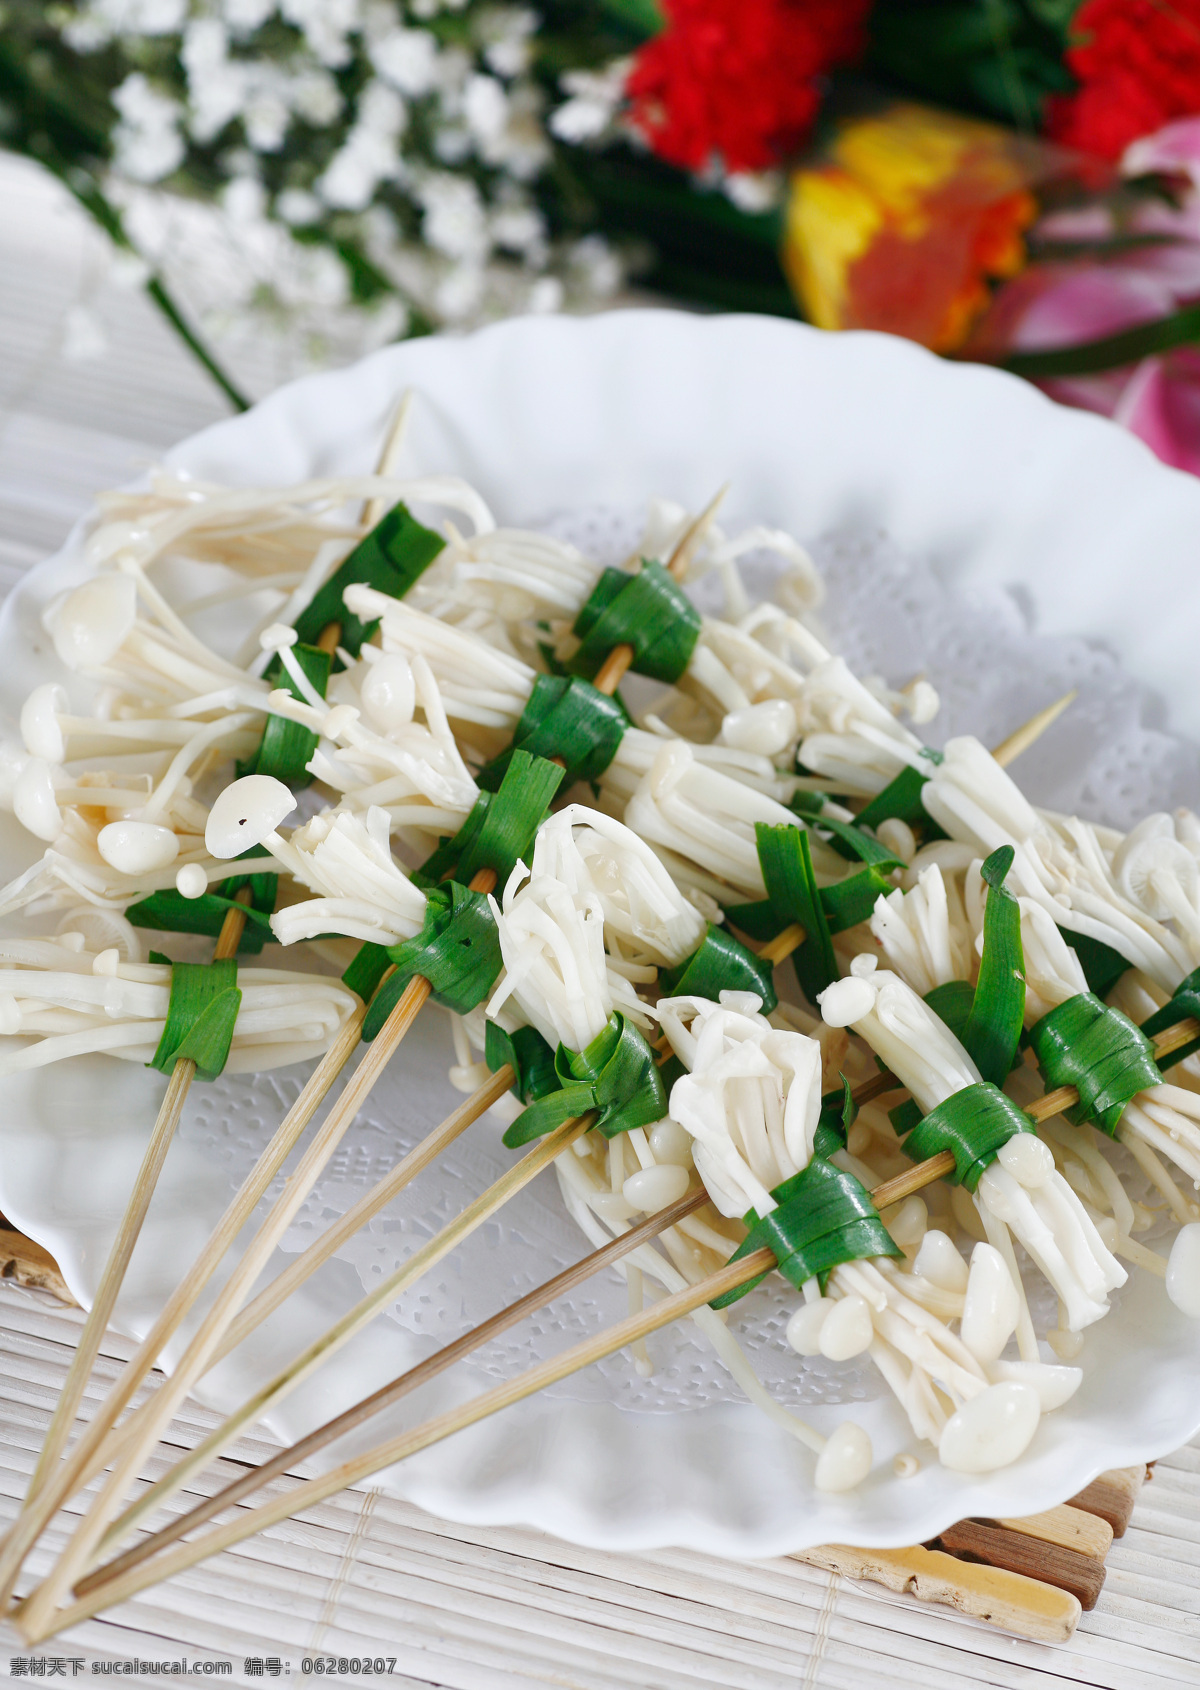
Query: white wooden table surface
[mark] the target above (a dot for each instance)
(364, 1576)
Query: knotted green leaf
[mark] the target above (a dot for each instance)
(901, 800)
(527, 1054)
(169, 911)
(201, 1015)
(1086, 1044)
(824, 1217)
(370, 964)
(838, 1114)
(390, 558)
(500, 829)
(720, 964)
(565, 717)
(973, 1124)
(616, 1074)
(457, 951)
(1184, 1003)
(993, 1031)
(649, 611)
(785, 859)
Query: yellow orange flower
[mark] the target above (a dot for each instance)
(904, 221)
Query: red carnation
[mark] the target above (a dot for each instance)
(738, 78)
(1138, 64)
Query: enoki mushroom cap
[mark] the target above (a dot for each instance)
(90, 624)
(1147, 855)
(246, 813)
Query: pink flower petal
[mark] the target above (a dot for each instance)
(1173, 149)
(1161, 405)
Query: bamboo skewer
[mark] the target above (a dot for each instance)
(540, 1297)
(161, 1137)
(1011, 748)
(116, 1588)
(77, 1554)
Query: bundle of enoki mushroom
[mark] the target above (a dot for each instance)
(604, 905)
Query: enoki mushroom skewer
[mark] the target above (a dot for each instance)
(201, 1351)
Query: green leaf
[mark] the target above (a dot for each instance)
(993, 1030)
(169, 911)
(616, 1075)
(649, 611)
(1110, 352)
(500, 829)
(394, 555)
(849, 840)
(901, 800)
(838, 1114)
(849, 901)
(1086, 1044)
(457, 951)
(201, 1014)
(565, 717)
(974, 1124)
(824, 1217)
(527, 1054)
(367, 970)
(1185, 1002)
(952, 1002)
(643, 16)
(286, 747)
(1102, 966)
(721, 963)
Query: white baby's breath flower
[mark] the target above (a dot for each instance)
(147, 143)
(594, 100)
(407, 58)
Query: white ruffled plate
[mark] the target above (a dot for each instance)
(967, 471)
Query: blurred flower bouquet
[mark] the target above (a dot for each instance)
(1015, 180)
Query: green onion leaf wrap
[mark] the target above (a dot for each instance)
(974, 1123)
(838, 1114)
(371, 963)
(850, 841)
(169, 911)
(721, 963)
(1102, 966)
(849, 901)
(900, 800)
(286, 746)
(905, 1116)
(527, 1054)
(992, 1035)
(201, 1015)
(808, 804)
(649, 611)
(1086, 1044)
(499, 831)
(396, 552)
(825, 1217)
(792, 895)
(457, 951)
(1185, 1002)
(565, 717)
(616, 1074)
(951, 1002)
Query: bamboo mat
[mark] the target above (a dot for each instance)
(503, 1609)
(366, 1576)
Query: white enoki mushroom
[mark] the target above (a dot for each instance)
(556, 971)
(1156, 869)
(1021, 1192)
(751, 1102)
(924, 934)
(67, 1001)
(647, 920)
(374, 750)
(698, 813)
(289, 540)
(851, 737)
(1060, 862)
